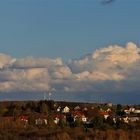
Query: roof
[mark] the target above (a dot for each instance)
(79, 113)
(104, 113)
(60, 116)
(24, 117)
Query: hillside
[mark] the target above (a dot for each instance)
(55, 120)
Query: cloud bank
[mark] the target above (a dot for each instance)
(107, 70)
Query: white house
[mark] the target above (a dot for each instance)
(45, 121)
(114, 119)
(84, 119)
(58, 109)
(77, 108)
(134, 119)
(104, 114)
(66, 109)
(132, 109)
(137, 111)
(110, 104)
(85, 109)
(108, 110)
(127, 111)
(92, 107)
(126, 119)
(56, 120)
(38, 121)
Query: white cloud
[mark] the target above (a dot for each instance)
(30, 62)
(6, 60)
(112, 67)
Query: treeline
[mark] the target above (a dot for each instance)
(25, 107)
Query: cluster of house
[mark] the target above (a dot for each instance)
(132, 110)
(60, 113)
(73, 115)
(131, 115)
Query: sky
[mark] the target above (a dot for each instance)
(51, 43)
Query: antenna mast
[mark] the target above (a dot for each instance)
(50, 94)
(44, 95)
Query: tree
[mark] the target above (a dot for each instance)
(51, 121)
(98, 121)
(16, 113)
(110, 121)
(43, 108)
(119, 107)
(119, 110)
(78, 122)
(31, 119)
(62, 123)
(3, 109)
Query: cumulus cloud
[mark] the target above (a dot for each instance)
(109, 69)
(6, 60)
(112, 63)
(30, 62)
(33, 79)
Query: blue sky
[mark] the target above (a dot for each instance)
(70, 29)
(66, 28)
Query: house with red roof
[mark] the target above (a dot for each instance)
(41, 119)
(79, 114)
(57, 118)
(105, 114)
(24, 118)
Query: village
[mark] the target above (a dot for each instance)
(66, 114)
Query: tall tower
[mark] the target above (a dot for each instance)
(44, 96)
(50, 94)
